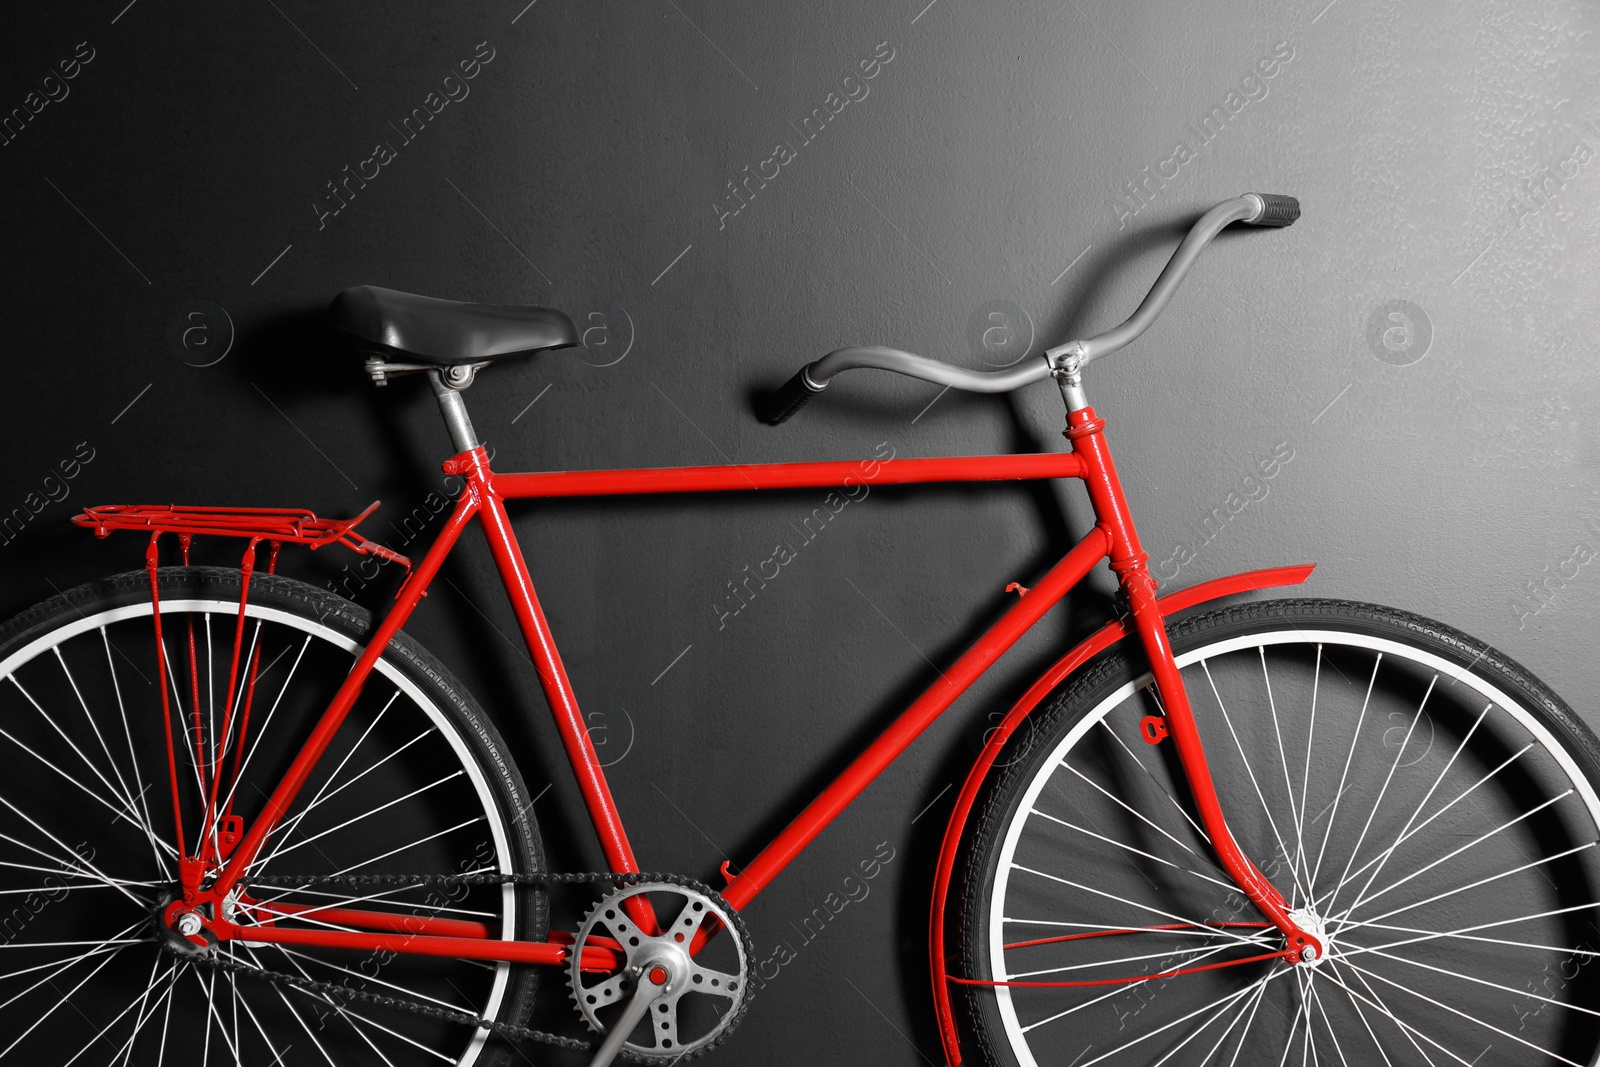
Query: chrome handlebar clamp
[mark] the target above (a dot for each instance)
(1066, 367)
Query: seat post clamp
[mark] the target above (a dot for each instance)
(381, 370)
(459, 376)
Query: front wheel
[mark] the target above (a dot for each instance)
(1418, 798)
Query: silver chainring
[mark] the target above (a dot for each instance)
(701, 1002)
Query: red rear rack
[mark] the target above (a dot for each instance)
(282, 525)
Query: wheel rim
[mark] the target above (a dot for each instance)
(1394, 862)
(369, 808)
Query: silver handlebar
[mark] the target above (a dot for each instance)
(1246, 208)
(914, 366)
(1256, 208)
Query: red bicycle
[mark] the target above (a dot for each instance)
(246, 822)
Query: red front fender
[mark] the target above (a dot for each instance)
(1104, 638)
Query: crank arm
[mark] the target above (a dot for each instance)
(646, 994)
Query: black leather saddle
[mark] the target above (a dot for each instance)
(448, 332)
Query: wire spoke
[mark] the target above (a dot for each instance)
(1250, 772)
(1378, 803)
(1409, 1032)
(324, 998)
(286, 828)
(1344, 775)
(1181, 810)
(1383, 857)
(124, 793)
(1244, 1006)
(1288, 1044)
(40, 1021)
(1323, 1011)
(1474, 885)
(392, 852)
(1237, 938)
(1199, 930)
(374, 979)
(128, 815)
(100, 948)
(267, 722)
(216, 1017)
(66, 888)
(1296, 814)
(180, 719)
(1461, 1014)
(351, 1016)
(138, 1001)
(1229, 886)
(133, 760)
(87, 762)
(87, 864)
(1125, 807)
(1261, 993)
(241, 1002)
(1303, 1015)
(1167, 954)
(344, 902)
(64, 872)
(1305, 773)
(1353, 875)
(115, 943)
(1221, 1003)
(383, 896)
(165, 999)
(1454, 853)
(1484, 982)
(231, 723)
(1116, 990)
(1362, 1015)
(322, 798)
(385, 806)
(1430, 935)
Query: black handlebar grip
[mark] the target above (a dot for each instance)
(780, 405)
(1277, 210)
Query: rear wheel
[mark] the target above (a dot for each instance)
(1418, 797)
(415, 781)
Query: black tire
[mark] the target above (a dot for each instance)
(452, 728)
(1506, 995)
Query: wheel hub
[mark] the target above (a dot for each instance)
(1311, 923)
(182, 927)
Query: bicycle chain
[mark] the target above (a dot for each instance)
(512, 1031)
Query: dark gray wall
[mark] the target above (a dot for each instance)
(1044, 155)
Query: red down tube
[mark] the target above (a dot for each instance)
(940, 695)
